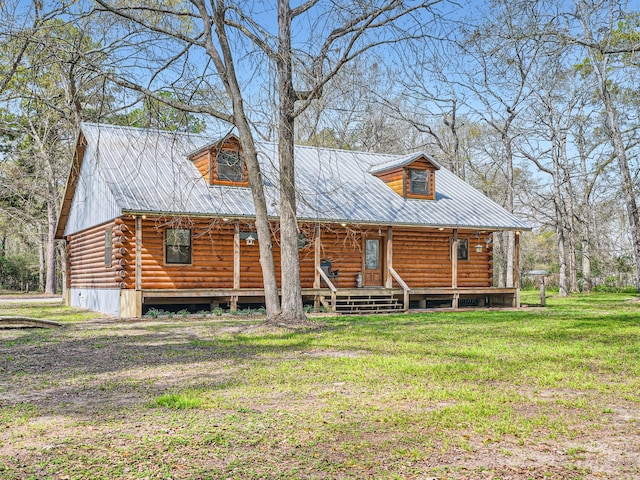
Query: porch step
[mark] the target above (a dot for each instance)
(367, 304)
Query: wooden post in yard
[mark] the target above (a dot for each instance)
(543, 297)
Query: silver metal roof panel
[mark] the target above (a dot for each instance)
(402, 161)
(148, 171)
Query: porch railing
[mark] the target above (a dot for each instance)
(331, 286)
(404, 286)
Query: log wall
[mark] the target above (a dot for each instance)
(86, 256)
(420, 256)
(211, 255)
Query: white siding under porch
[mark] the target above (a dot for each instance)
(104, 300)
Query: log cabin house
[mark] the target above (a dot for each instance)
(154, 218)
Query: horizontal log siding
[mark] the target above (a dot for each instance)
(343, 246)
(201, 161)
(86, 257)
(394, 179)
(212, 255)
(422, 258)
(250, 268)
(478, 270)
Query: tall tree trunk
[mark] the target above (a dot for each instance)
(627, 181)
(62, 254)
(569, 214)
(271, 296)
(562, 257)
(560, 212)
(511, 238)
(41, 263)
(586, 217)
(586, 264)
(292, 308)
(3, 254)
(52, 218)
(226, 68)
(600, 64)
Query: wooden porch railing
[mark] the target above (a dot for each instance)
(404, 286)
(331, 286)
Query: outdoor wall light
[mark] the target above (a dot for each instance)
(250, 240)
(478, 245)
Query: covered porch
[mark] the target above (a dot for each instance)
(375, 287)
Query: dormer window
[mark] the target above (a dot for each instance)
(222, 163)
(230, 167)
(413, 176)
(419, 182)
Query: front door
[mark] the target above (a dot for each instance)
(373, 247)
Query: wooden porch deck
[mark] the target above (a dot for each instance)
(413, 299)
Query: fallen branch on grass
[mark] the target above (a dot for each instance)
(27, 322)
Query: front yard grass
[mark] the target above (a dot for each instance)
(547, 393)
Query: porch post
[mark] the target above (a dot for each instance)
(388, 278)
(454, 268)
(236, 264)
(316, 257)
(316, 264)
(137, 301)
(516, 269)
(138, 227)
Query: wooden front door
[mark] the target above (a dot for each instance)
(373, 255)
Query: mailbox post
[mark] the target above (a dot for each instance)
(540, 274)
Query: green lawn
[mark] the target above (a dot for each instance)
(535, 393)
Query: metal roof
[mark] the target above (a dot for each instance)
(148, 171)
(403, 161)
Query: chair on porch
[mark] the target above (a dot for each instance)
(332, 275)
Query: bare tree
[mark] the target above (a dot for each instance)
(600, 18)
(226, 32)
(42, 105)
(503, 58)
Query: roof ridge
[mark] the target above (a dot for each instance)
(333, 149)
(156, 131)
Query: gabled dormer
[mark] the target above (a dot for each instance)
(412, 176)
(222, 163)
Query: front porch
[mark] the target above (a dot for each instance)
(337, 300)
(376, 270)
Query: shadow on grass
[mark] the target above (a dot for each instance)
(109, 363)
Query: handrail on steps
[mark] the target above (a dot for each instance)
(331, 286)
(399, 279)
(404, 286)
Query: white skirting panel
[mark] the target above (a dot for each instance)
(98, 299)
